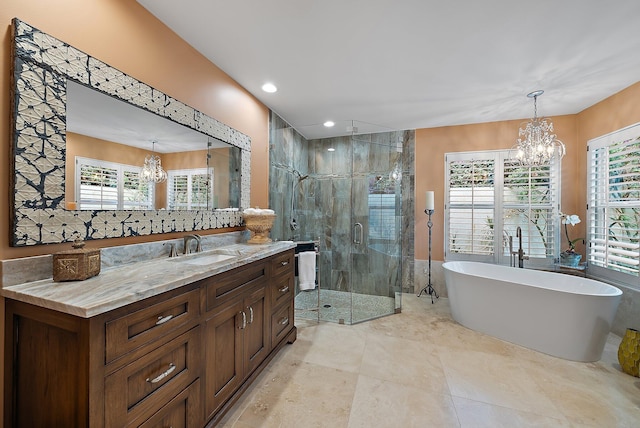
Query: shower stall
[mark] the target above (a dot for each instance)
(343, 196)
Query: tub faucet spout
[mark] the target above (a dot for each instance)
(521, 256)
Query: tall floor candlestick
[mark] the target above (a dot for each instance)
(429, 288)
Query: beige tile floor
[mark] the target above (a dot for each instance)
(421, 369)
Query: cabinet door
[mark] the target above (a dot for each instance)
(49, 385)
(256, 334)
(224, 366)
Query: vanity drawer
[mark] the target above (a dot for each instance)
(282, 263)
(137, 328)
(180, 412)
(229, 285)
(147, 384)
(281, 289)
(281, 323)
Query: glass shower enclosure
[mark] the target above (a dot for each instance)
(346, 198)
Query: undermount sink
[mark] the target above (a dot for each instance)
(202, 259)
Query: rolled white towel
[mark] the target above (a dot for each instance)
(307, 270)
(259, 211)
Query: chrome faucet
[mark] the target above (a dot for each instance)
(187, 240)
(521, 256)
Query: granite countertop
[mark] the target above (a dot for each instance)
(119, 286)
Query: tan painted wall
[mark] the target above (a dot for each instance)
(124, 35)
(615, 112)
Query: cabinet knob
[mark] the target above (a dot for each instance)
(284, 289)
(286, 262)
(284, 321)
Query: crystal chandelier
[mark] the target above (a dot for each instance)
(152, 169)
(537, 144)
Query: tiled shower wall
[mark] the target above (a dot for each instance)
(322, 183)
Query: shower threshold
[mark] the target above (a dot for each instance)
(342, 307)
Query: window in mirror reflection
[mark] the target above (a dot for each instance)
(190, 189)
(103, 185)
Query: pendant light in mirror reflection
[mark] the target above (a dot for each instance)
(152, 171)
(537, 144)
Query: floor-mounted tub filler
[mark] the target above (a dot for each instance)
(561, 315)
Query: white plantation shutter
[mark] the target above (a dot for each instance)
(488, 197)
(529, 201)
(136, 194)
(471, 206)
(102, 185)
(189, 189)
(614, 205)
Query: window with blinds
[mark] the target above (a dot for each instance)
(102, 185)
(529, 198)
(189, 189)
(489, 196)
(613, 208)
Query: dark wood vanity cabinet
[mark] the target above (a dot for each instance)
(178, 359)
(236, 340)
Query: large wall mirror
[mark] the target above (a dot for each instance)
(83, 131)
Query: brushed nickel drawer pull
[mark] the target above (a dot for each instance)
(250, 315)
(284, 289)
(244, 321)
(286, 262)
(161, 376)
(162, 320)
(284, 321)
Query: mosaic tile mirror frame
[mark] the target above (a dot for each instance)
(42, 65)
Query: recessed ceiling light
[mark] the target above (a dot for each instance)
(269, 87)
(329, 123)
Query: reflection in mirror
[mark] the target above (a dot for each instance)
(42, 66)
(108, 141)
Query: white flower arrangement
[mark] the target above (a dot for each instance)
(571, 219)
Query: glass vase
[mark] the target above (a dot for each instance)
(629, 352)
(570, 259)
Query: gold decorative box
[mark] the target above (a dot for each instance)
(77, 264)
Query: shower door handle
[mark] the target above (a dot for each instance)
(358, 233)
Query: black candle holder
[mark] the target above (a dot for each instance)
(429, 288)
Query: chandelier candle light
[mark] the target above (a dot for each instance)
(537, 144)
(152, 171)
(430, 205)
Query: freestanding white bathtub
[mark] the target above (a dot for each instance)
(561, 315)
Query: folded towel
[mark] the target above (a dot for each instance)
(307, 270)
(258, 211)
